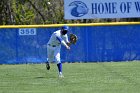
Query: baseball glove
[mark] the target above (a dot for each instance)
(73, 38)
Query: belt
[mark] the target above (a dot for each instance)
(52, 45)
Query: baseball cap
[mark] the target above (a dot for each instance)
(65, 27)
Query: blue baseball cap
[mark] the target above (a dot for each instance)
(65, 27)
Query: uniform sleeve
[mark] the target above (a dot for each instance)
(66, 38)
(63, 42)
(59, 39)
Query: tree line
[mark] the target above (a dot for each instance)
(31, 12)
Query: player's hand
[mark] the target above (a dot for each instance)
(68, 47)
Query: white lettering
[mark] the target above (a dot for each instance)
(27, 31)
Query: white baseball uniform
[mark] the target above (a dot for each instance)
(54, 46)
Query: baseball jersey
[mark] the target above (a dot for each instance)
(57, 39)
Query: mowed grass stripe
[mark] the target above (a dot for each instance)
(107, 77)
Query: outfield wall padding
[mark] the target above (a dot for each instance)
(96, 43)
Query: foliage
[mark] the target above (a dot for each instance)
(25, 12)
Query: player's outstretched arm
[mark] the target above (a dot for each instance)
(65, 44)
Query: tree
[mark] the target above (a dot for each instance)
(25, 12)
(5, 12)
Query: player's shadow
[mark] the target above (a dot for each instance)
(43, 77)
(39, 77)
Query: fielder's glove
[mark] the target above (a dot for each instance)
(73, 38)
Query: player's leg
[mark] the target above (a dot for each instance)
(57, 59)
(50, 55)
(59, 65)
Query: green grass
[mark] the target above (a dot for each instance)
(114, 77)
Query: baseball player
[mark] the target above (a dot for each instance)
(57, 39)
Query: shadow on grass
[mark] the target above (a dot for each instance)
(45, 77)
(39, 77)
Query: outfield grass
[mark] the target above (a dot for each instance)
(115, 77)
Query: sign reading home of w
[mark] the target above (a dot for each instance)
(89, 9)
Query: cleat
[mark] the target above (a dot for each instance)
(61, 76)
(47, 66)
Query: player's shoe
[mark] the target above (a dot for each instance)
(47, 66)
(61, 75)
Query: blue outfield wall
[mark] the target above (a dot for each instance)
(96, 43)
